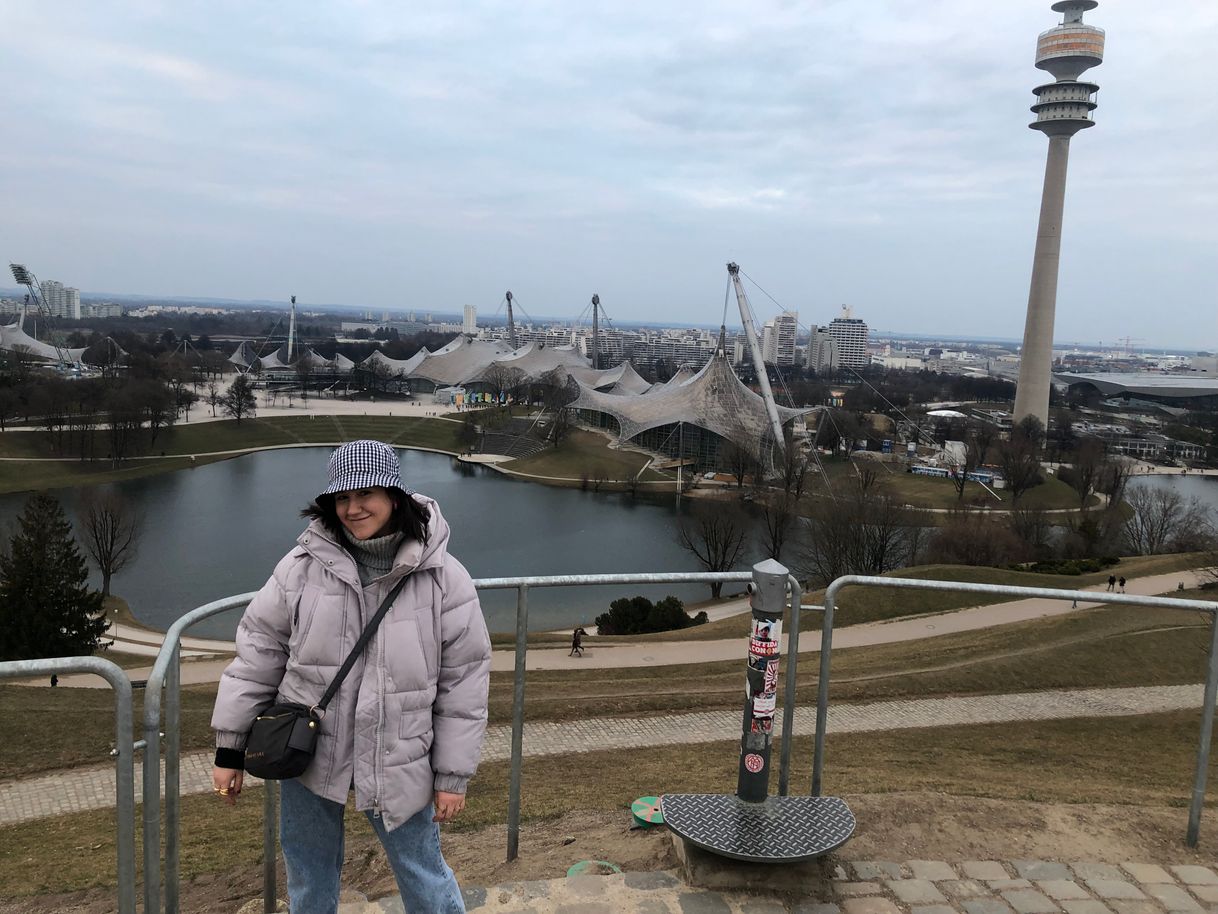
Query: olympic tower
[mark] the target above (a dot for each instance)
(1062, 109)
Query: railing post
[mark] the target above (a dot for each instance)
(788, 701)
(761, 681)
(822, 688)
(1207, 732)
(270, 846)
(152, 795)
(173, 775)
(522, 646)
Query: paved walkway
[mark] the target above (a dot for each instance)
(84, 789)
(661, 653)
(869, 887)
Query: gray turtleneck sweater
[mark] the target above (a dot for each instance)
(373, 557)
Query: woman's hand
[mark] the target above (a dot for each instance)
(226, 782)
(448, 805)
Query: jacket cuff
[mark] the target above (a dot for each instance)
(230, 758)
(228, 739)
(451, 783)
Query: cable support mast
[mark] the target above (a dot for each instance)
(750, 333)
(292, 331)
(596, 333)
(511, 322)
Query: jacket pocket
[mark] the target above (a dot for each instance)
(415, 733)
(405, 660)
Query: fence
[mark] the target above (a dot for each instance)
(164, 682)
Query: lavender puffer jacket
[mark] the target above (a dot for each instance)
(410, 716)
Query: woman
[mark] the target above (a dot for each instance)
(405, 729)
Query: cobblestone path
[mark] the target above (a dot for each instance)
(83, 789)
(870, 887)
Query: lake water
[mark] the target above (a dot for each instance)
(219, 529)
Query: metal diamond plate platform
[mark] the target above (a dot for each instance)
(780, 829)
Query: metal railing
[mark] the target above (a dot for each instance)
(1045, 593)
(166, 676)
(123, 752)
(164, 693)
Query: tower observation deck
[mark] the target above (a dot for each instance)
(1064, 107)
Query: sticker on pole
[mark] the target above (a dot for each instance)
(754, 762)
(770, 683)
(764, 705)
(766, 636)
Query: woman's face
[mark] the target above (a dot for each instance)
(364, 512)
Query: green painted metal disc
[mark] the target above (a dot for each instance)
(646, 811)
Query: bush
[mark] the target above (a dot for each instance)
(1069, 566)
(639, 616)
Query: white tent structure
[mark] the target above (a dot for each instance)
(713, 399)
(13, 338)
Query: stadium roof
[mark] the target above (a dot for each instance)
(713, 399)
(13, 337)
(1153, 386)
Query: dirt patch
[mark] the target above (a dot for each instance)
(899, 826)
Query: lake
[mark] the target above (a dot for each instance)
(219, 529)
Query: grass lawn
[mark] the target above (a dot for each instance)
(1094, 648)
(932, 492)
(1103, 760)
(872, 604)
(585, 455)
(177, 445)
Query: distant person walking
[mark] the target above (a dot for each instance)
(1112, 581)
(577, 642)
(1122, 584)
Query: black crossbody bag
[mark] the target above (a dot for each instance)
(284, 736)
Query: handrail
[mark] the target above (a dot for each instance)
(1045, 593)
(124, 753)
(166, 675)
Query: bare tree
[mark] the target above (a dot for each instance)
(716, 540)
(214, 397)
(863, 531)
(738, 461)
(1019, 457)
(972, 538)
(777, 517)
(1163, 520)
(976, 446)
(111, 529)
(1086, 466)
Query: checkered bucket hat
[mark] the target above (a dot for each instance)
(363, 464)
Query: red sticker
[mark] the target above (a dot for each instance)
(753, 762)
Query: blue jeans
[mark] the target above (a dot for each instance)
(311, 834)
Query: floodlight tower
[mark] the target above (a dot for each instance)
(25, 277)
(1062, 109)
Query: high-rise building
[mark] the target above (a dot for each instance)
(821, 355)
(469, 325)
(60, 300)
(850, 334)
(1062, 109)
(778, 339)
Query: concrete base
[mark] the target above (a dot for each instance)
(702, 869)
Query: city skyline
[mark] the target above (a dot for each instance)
(360, 154)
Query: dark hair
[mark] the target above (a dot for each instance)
(409, 517)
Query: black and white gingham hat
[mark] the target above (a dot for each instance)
(363, 464)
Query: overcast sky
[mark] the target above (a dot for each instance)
(434, 155)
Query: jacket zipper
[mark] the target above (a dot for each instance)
(379, 768)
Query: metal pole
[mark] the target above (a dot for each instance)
(173, 801)
(822, 689)
(788, 701)
(123, 753)
(1207, 732)
(270, 844)
(522, 646)
(761, 681)
(152, 791)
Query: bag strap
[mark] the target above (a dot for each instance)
(362, 643)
